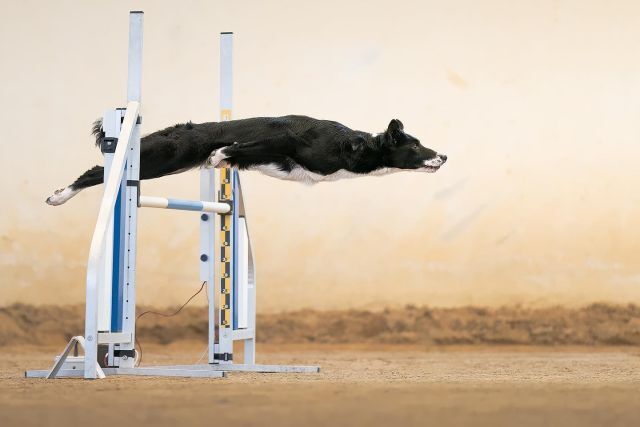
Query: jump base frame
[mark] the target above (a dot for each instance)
(109, 337)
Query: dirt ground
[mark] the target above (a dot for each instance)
(359, 385)
(596, 324)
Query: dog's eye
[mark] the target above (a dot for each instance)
(415, 146)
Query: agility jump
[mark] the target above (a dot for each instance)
(109, 337)
(297, 148)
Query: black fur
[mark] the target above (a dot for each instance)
(320, 146)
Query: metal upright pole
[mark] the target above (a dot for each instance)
(224, 352)
(226, 75)
(207, 253)
(134, 75)
(96, 295)
(126, 352)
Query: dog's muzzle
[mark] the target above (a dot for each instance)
(434, 164)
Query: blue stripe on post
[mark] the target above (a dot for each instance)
(185, 205)
(117, 276)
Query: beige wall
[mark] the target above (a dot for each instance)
(536, 103)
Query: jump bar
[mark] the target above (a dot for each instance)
(184, 205)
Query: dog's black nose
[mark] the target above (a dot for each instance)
(443, 157)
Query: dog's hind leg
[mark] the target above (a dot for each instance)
(93, 176)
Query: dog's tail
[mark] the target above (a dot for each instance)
(98, 132)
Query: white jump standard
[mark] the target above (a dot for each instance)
(109, 337)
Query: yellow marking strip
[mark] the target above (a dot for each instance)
(225, 193)
(226, 250)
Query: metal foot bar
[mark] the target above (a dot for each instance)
(151, 371)
(187, 371)
(166, 371)
(240, 367)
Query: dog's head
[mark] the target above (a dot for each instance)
(404, 151)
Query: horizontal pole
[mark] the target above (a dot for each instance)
(184, 205)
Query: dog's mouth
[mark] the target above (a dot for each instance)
(430, 169)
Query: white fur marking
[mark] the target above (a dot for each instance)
(434, 163)
(61, 196)
(216, 158)
(300, 174)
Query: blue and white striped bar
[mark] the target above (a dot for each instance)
(184, 205)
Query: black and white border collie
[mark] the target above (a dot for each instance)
(295, 148)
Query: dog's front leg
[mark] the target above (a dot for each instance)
(259, 148)
(217, 159)
(263, 151)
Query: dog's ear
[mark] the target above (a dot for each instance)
(395, 130)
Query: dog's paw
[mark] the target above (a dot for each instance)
(216, 159)
(60, 196)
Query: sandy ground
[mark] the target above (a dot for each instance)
(391, 385)
(596, 324)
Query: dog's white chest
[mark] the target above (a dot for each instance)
(301, 174)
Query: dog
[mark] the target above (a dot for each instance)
(294, 148)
